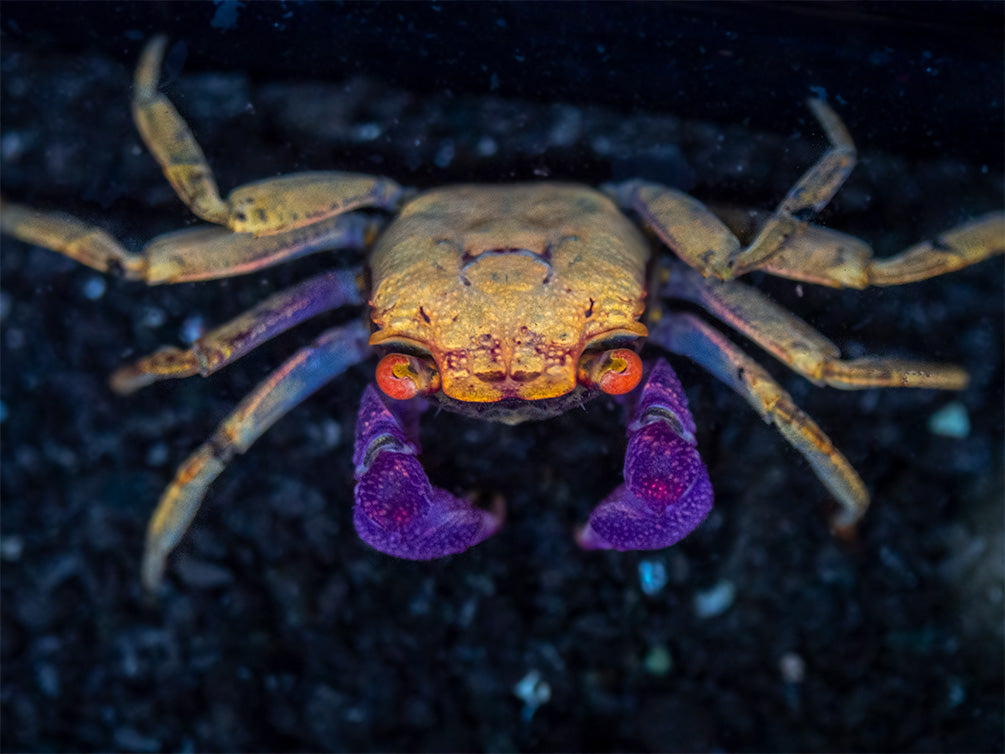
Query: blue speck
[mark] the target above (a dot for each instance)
(94, 288)
(952, 420)
(714, 601)
(652, 576)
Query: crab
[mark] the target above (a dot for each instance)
(506, 303)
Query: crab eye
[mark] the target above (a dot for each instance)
(401, 376)
(615, 372)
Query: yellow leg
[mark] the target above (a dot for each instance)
(69, 236)
(170, 140)
(689, 336)
(811, 193)
(708, 245)
(793, 342)
(827, 257)
(203, 253)
(306, 371)
(262, 208)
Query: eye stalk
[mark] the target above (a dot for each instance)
(615, 372)
(401, 376)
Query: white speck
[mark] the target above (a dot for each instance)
(715, 601)
(191, 329)
(952, 420)
(533, 691)
(792, 667)
(652, 576)
(94, 288)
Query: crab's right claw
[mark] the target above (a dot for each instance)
(667, 492)
(398, 511)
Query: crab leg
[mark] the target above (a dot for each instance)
(811, 193)
(702, 240)
(204, 253)
(826, 257)
(398, 511)
(229, 342)
(689, 336)
(309, 369)
(793, 342)
(666, 493)
(262, 208)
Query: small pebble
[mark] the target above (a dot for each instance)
(652, 576)
(151, 316)
(94, 288)
(157, 454)
(192, 329)
(130, 739)
(201, 574)
(792, 667)
(952, 420)
(533, 691)
(658, 660)
(955, 692)
(715, 601)
(11, 548)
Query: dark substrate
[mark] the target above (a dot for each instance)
(279, 630)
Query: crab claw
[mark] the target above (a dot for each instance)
(398, 511)
(667, 492)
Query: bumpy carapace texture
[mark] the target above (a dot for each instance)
(546, 271)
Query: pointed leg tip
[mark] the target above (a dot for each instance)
(152, 574)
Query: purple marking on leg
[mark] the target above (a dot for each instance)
(667, 492)
(397, 510)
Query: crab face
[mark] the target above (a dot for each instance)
(504, 288)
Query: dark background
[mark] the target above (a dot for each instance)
(277, 628)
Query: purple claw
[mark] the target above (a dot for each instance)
(667, 492)
(397, 510)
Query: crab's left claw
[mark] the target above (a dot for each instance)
(667, 492)
(397, 510)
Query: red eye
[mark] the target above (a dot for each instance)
(402, 377)
(615, 372)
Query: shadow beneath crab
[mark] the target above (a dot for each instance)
(281, 630)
